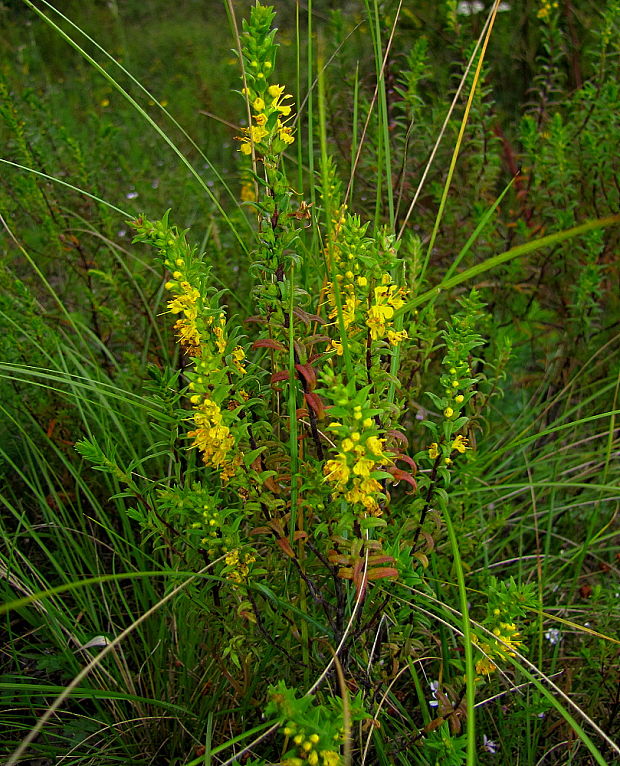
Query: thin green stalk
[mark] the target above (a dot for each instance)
(77, 189)
(470, 673)
(356, 96)
(509, 255)
(328, 218)
(310, 104)
(478, 230)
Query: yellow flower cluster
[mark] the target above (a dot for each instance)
(186, 302)
(546, 8)
(212, 522)
(507, 645)
(459, 443)
(248, 193)
(382, 301)
(308, 746)
(344, 247)
(266, 128)
(388, 298)
(211, 436)
(241, 566)
(359, 455)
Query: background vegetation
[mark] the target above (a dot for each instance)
(485, 627)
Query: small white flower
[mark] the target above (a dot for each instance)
(434, 685)
(469, 7)
(489, 745)
(131, 195)
(553, 636)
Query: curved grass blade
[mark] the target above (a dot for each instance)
(161, 133)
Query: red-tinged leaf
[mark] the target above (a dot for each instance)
(315, 401)
(337, 558)
(408, 460)
(269, 343)
(277, 527)
(434, 725)
(398, 436)
(422, 558)
(286, 547)
(272, 486)
(301, 412)
(260, 531)
(308, 373)
(316, 339)
(399, 475)
(276, 377)
(300, 535)
(345, 573)
(306, 318)
(257, 319)
(381, 572)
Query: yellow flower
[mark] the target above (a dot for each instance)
(370, 486)
(363, 467)
(247, 191)
(185, 303)
(257, 133)
(381, 311)
(395, 297)
(433, 451)
(347, 445)
(485, 667)
(261, 119)
(448, 412)
(375, 445)
(460, 444)
(245, 148)
(348, 310)
(330, 758)
(396, 337)
(337, 471)
(275, 91)
(232, 559)
(220, 341)
(189, 337)
(238, 355)
(258, 104)
(285, 135)
(337, 347)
